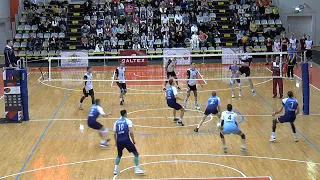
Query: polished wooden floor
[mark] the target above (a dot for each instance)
(51, 146)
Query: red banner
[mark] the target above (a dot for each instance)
(129, 8)
(134, 61)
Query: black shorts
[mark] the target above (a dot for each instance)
(309, 53)
(122, 86)
(245, 70)
(95, 125)
(286, 118)
(90, 93)
(128, 145)
(171, 74)
(175, 106)
(192, 88)
(209, 111)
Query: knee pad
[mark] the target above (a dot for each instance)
(238, 81)
(243, 136)
(221, 135)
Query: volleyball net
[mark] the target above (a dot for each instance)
(150, 69)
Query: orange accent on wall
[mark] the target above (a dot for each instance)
(14, 4)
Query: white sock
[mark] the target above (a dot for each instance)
(121, 99)
(115, 167)
(273, 134)
(196, 103)
(224, 146)
(243, 143)
(198, 126)
(295, 135)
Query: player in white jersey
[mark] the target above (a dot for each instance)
(235, 77)
(192, 74)
(245, 69)
(229, 125)
(88, 88)
(120, 77)
(170, 70)
(309, 44)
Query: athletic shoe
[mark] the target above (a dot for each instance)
(295, 139)
(232, 95)
(239, 94)
(116, 172)
(224, 150)
(164, 89)
(121, 103)
(281, 96)
(180, 123)
(137, 170)
(80, 107)
(272, 139)
(104, 145)
(179, 88)
(243, 149)
(274, 96)
(254, 93)
(196, 130)
(175, 120)
(197, 107)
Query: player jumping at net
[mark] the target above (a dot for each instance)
(235, 78)
(229, 126)
(213, 107)
(95, 111)
(290, 104)
(120, 77)
(192, 74)
(170, 70)
(172, 96)
(122, 130)
(245, 69)
(88, 88)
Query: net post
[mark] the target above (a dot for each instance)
(49, 69)
(281, 64)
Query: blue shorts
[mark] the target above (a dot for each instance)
(286, 118)
(210, 111)
(230, 129)
(175, 106)
(127, 145)
(95, 125)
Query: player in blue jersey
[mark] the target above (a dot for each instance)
(235, 78)
(290, 105)
(229, 126)
(172, 97)
(212, 108)
(122, 133)
(95, 111)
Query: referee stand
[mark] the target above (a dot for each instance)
(15, 81)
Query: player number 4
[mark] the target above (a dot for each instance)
(229, 117)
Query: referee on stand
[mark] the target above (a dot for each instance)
(10, 57)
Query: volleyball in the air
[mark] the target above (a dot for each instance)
(245, 39)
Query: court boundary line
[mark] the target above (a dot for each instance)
(114, 73)
(1, 96)
(305, 137)
(205, 82)
(164, 155)
(183, 161)
(42, 135)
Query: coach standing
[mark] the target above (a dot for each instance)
(10, 57)
(277, 81)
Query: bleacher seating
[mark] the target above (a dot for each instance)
(48, 28)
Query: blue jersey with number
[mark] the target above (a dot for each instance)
(290, 106)
(170, 95)
(213, 102)
(95, 111)
(121, 128)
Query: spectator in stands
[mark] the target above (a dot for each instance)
(303, 42)
(31, 42)
(52, 43)
(206, 19)
(108, 20)
(293, 41)
(120, 31)
(144, 41)
(99, 48)
(178, 18)
(269, 34)
(166, 40)
(38, 44)
(202, 37)
(185, 18)
(163, 7)
(87, 6)
(194, 28)
(121, 8)
(114, 30)
(193, 18)
(194, 41)
(85, 42)
(184, 6)
(180, 39)
(178, 28)
(136, 46)
(275, 12)
(164, 29)
(87, 18)
(239, 37)
(253, 28)
(114, 21)
(200, 19)
(93, 23)
(99, 31)
(10, 57)
(114, 41)
(54, 26)
(165, 19)
(150, 39)
(85, 29)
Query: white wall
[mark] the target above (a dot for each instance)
(286, 8)
(4, 23)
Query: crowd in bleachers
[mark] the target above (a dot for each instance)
(169, 23)
(41, 27)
